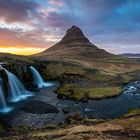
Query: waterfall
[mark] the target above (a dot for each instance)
(38, 80)
(17, 91)
(3, 105)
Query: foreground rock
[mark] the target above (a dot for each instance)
(66, 109)
(39, 107)
(125, 128)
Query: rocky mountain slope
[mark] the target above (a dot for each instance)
(75, 45)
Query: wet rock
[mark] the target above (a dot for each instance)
(61, 96)
(132, 88)
(74, 118)
(66, 110)
(39, 107)
(85, 100)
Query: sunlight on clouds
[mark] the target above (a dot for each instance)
(15, 26)
(21, 51)
(40, 23)
(51, 38)
(46, 11)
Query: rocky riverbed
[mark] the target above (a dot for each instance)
(39, 110)
(45, 108)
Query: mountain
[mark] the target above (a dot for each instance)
(76, 46)
(131, 55)
(6, 54)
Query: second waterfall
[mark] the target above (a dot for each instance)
(38, 80)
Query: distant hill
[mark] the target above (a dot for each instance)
(11, 55)
(13, 58)
(6, 54)
(131, 55)
(75, 45)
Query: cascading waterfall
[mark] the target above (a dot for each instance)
(3, 105)
(17, 91)
(38, 80)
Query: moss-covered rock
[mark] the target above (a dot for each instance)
(73, 118)
(103, 92)
(72, 91)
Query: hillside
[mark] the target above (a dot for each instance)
(131, 55)
(84, 72)
(75, 45)
(12, 56)
(76, 48)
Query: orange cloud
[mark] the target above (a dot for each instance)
(24, 43)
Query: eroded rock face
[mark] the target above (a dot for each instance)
(74, 34)
(75, 45)
(39, 107)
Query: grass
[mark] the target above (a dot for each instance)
(99, 85)
(70, 91)
(129, 121)
(99, 77)
(103, 92)
(56, 70)
(74, 92)
(1, 128)
(50, 127)
(111, 66)
(131, 113)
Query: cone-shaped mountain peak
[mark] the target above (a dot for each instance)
(74, 33)
(75, 45)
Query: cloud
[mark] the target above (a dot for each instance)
(17, 10)
(55, 2)
(42, 23)
(55, 19)
(32, 39)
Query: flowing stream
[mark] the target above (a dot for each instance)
(110, 107)
(105, 108)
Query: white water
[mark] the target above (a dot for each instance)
(38, 80)
(3, 105)
(17, 91)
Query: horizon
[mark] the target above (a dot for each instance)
(30, 27)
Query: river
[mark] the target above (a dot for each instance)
(105, 108)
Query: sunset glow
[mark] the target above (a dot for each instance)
(21, 51)
(30, 26)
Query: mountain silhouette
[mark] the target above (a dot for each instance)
(75, 45)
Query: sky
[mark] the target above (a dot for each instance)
(31, 26)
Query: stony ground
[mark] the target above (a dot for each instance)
(127, 128)
(33, 114)
(110, 130)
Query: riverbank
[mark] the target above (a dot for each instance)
(96, 81)
(126, 128)
(70, 91)
(45, 108)
(94, 85)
